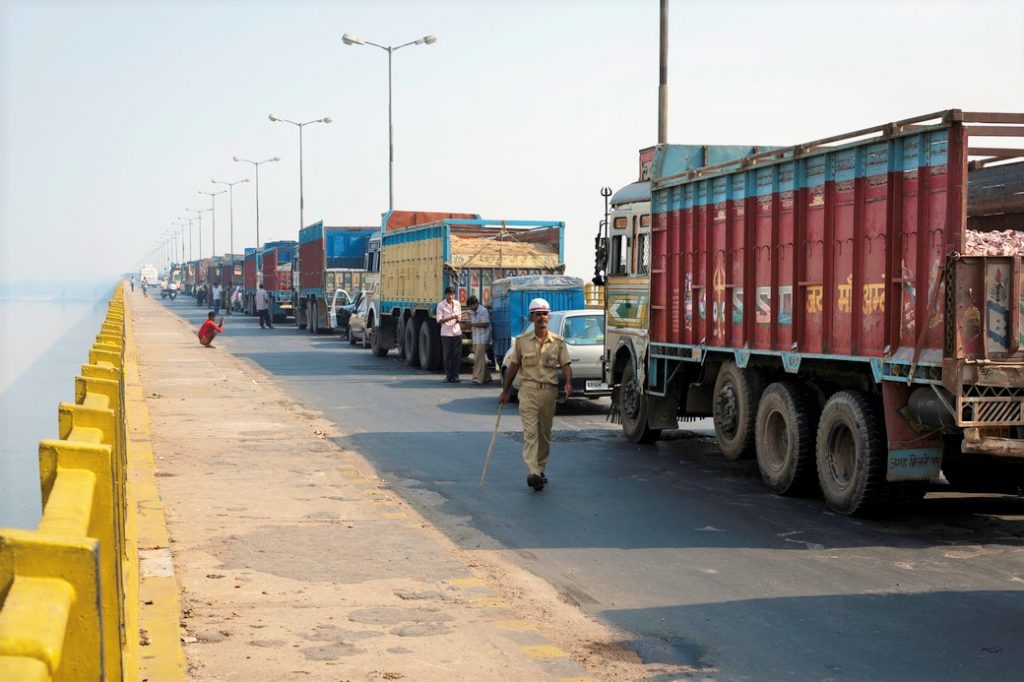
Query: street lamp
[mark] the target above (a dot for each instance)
(189, 221)
(350, 39)
(199, 216)
(257, 164)
(213, 210)
(277, 119)
(231, 209)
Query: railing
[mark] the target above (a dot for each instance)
(69, 607)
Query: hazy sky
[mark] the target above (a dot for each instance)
(116, 114)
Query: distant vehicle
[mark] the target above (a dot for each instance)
(583, 331)
(148, 274)
(276, 260)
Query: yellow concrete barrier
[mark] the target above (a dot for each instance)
(69, 590)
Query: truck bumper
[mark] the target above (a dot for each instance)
(975, 443)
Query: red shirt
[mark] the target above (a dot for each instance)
(207, 327)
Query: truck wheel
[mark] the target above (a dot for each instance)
(377, 341)
(412, 339)
(312, 319)
(633, 409)
(301, 315)
(851, 454)
(430, 346)
(737, 392)
(784, 433)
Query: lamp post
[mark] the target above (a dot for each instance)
(199, 216)
(231, 209)
(350, 39)
(277, 119)
(213, 210)
(256, 165)
(189, 221)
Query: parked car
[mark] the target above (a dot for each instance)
(583, 331)
(356, 322)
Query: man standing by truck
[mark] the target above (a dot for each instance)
(480, 323)
(540, 353)
(263, 307)
(448, 314)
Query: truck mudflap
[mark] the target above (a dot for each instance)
(978, 441)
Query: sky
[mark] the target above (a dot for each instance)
(116, 114)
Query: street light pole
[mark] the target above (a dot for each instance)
(199, 216)
(256, 165)
(213, 210)
(277, 119)
(231, 209)
(350, 39)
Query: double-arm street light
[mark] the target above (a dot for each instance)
(213, 210)
(277, 119)
(256, 165)
(231, 209)
(350, 39)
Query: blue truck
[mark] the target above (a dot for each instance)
(510, 303)
(328, 272)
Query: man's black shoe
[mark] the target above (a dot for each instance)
(536, 482)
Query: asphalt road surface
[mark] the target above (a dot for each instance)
(671, 543)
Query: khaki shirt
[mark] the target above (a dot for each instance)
(539, 363)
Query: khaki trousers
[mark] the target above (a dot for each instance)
(481, 371)
(537, 411)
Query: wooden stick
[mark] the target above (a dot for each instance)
(490, 449)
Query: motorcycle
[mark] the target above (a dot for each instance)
(172, 294)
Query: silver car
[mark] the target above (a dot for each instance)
(583, 331)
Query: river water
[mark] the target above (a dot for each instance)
(44, 341)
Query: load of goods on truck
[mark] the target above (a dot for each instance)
(846, 310)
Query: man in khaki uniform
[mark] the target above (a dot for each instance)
(539, 353)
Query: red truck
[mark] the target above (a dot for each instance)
(250, 280)
(276, 260)
(818, 302)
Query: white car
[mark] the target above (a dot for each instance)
(583, 331)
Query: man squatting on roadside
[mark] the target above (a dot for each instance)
(208, 332)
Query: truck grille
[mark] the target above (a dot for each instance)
(990, 406)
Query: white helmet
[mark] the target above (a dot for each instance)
(539, 305)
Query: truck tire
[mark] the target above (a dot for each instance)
(377, 342)
(300, 316)
(851, 451)
(784, 434)
(312, 318)
(400, 337)
(412, 341)
(633, 409)
(430, 346)
(734, 408)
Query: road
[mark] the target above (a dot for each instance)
(683, 552)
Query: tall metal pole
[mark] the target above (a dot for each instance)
(391, 142)
(302, 202)
(213, 210)
(663, 77)
(257, 205)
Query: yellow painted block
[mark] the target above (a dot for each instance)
(514, 625)
(544, 651)
(29, 554)
(34, 619)
(68, 507)
(23, 669)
